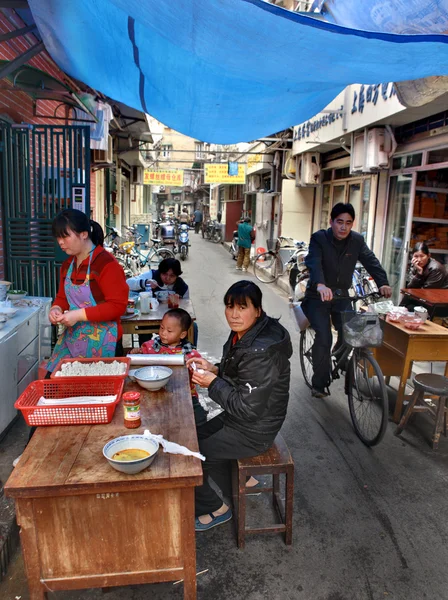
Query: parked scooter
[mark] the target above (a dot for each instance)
(234, 245)
(183, 240)
(167, 232)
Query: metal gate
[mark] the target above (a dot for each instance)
(43, 169)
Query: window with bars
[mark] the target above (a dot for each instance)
(166, 150)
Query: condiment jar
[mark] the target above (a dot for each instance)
(131, 407)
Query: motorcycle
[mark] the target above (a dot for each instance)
(234, 245)
(167, 231)
(183, 237)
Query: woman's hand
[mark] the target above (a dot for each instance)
(151, 283)
(203, 364)
(203, 378)
(416, 265)
(55, 315)
(136, 351)
(72, 317)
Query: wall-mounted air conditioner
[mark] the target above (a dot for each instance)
(308, 169)
(137, 175)
(104, 156)
(372, 149)
(254, 183)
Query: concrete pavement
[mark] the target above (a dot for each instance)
(369, 524)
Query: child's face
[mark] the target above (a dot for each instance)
(170, 331)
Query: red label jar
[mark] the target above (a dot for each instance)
(131, 407)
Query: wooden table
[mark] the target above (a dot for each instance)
(150, 322)
(432, 300)
(401, 347)
(83, 524)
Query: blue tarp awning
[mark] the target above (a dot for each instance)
(224, 70)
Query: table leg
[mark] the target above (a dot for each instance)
(188, 543)
(28, 537)
(407, 364)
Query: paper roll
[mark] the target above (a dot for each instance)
(157, 359)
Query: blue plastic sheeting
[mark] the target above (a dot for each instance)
(224, 70)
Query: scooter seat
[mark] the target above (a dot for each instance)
(156, 240)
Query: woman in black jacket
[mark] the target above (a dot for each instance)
(251, 384)
(426, 272)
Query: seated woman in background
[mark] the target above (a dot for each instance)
(426, 271)
(166, 277)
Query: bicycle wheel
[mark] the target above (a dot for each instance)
(306, 359)
(367, 398)
(217, 237)
(268, 267)
(160, 254)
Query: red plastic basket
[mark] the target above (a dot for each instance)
(122, 359)
(67, 387)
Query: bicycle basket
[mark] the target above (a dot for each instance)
(273, 245)
(362, 330)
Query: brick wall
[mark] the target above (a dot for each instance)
(18, 105)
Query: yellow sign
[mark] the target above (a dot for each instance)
(254, 159)
(219, 173)
(174, 177)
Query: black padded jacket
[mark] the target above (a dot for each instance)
(253, 381)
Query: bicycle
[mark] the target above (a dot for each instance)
(269, 266)
(364, 382)
(154, 255)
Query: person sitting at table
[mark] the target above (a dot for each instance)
(172, 339)
(426, 272)
(251, 384)
(92, 293)
(166, 277)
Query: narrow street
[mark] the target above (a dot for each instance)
(368, 524)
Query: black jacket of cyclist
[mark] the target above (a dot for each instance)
(331, 260)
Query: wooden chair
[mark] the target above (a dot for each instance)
(428, 384)
(273, 462)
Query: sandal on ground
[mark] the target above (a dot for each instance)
(216, 520)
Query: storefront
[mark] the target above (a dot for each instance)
(417, 206)
(329, 135)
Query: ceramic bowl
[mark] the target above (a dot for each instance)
(9, 313)
(125, 442)
(16, 294)
(153, 378)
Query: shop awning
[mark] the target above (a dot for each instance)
(224, 70)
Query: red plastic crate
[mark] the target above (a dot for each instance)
(66, 387)
(122, 359)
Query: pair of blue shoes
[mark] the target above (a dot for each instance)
(215, 520)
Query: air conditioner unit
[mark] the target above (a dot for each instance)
(308, 169)
(104, 156)
(371, 150)
(255, 183)
(289, 168)
(357, 152)
(137, 175)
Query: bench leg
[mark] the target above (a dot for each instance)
(439, 423)
(241, 508)
(289, 504)
(416, 396)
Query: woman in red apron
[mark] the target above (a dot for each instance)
(92, 295)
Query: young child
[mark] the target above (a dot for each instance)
(172, 339)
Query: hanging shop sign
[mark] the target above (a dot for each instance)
(172, 177)
(357, 106)
(219, 173)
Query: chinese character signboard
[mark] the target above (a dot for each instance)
(219, 173)
(174, 177)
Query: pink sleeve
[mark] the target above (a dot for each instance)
(148, 347)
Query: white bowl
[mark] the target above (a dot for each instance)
(9, 313)
(126, 442)
(13, 297)
(153, 378)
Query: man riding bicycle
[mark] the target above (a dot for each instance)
(331, 260)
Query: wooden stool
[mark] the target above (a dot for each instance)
(275, 461)
(429, 384)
